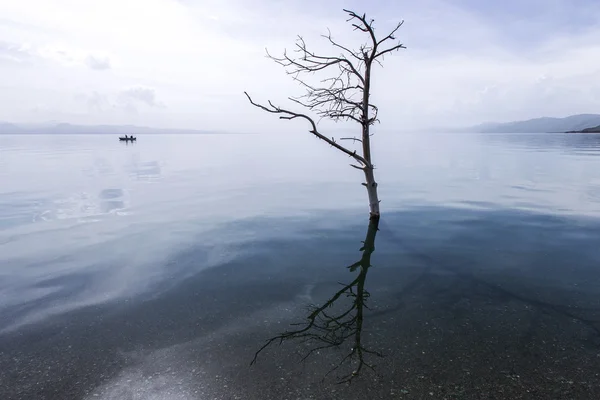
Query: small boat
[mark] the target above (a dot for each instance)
(127, 138)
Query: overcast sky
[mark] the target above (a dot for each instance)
(186, 63)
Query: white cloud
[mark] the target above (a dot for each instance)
(461, 65)
(11, 52)
(98, 62)
(140, 94)
(127, 105)
(28, 53)
(96, 102)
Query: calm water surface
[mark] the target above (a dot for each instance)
(156, 270)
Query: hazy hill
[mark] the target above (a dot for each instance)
(5, 127)
(66, 129)
(541, 125)
(595, 129)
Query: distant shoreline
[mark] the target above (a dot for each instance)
(595, 129)
(103, 129)
(124, 133)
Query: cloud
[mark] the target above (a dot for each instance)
(132, 101)
(22, 53)
(466, 61)
(97, 102)
(140, 94)
(11, 52)
(97, 63)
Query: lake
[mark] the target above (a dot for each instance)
(156, 270)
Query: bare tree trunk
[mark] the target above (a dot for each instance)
(370, 183)
(371, 186)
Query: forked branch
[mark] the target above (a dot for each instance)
(373, 51)
(287, 114)
(309, 61)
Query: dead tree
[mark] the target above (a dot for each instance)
(324, 329)
(345, 95)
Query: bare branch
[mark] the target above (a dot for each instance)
(312, 62)
(344, 115)
(366, 26)
(397, 47)
(391, 35)
(352, 53)
(351, 138)
(291, 115)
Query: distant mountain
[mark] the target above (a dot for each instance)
(69, 129)
(5, 127)
(595, 129)
(541, 125)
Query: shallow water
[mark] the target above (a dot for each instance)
(158, 269)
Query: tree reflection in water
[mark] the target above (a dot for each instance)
(336, 322)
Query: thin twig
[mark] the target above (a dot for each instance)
(351, 138)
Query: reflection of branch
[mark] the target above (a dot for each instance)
(325, 329)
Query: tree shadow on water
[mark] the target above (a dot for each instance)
(337, 322)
